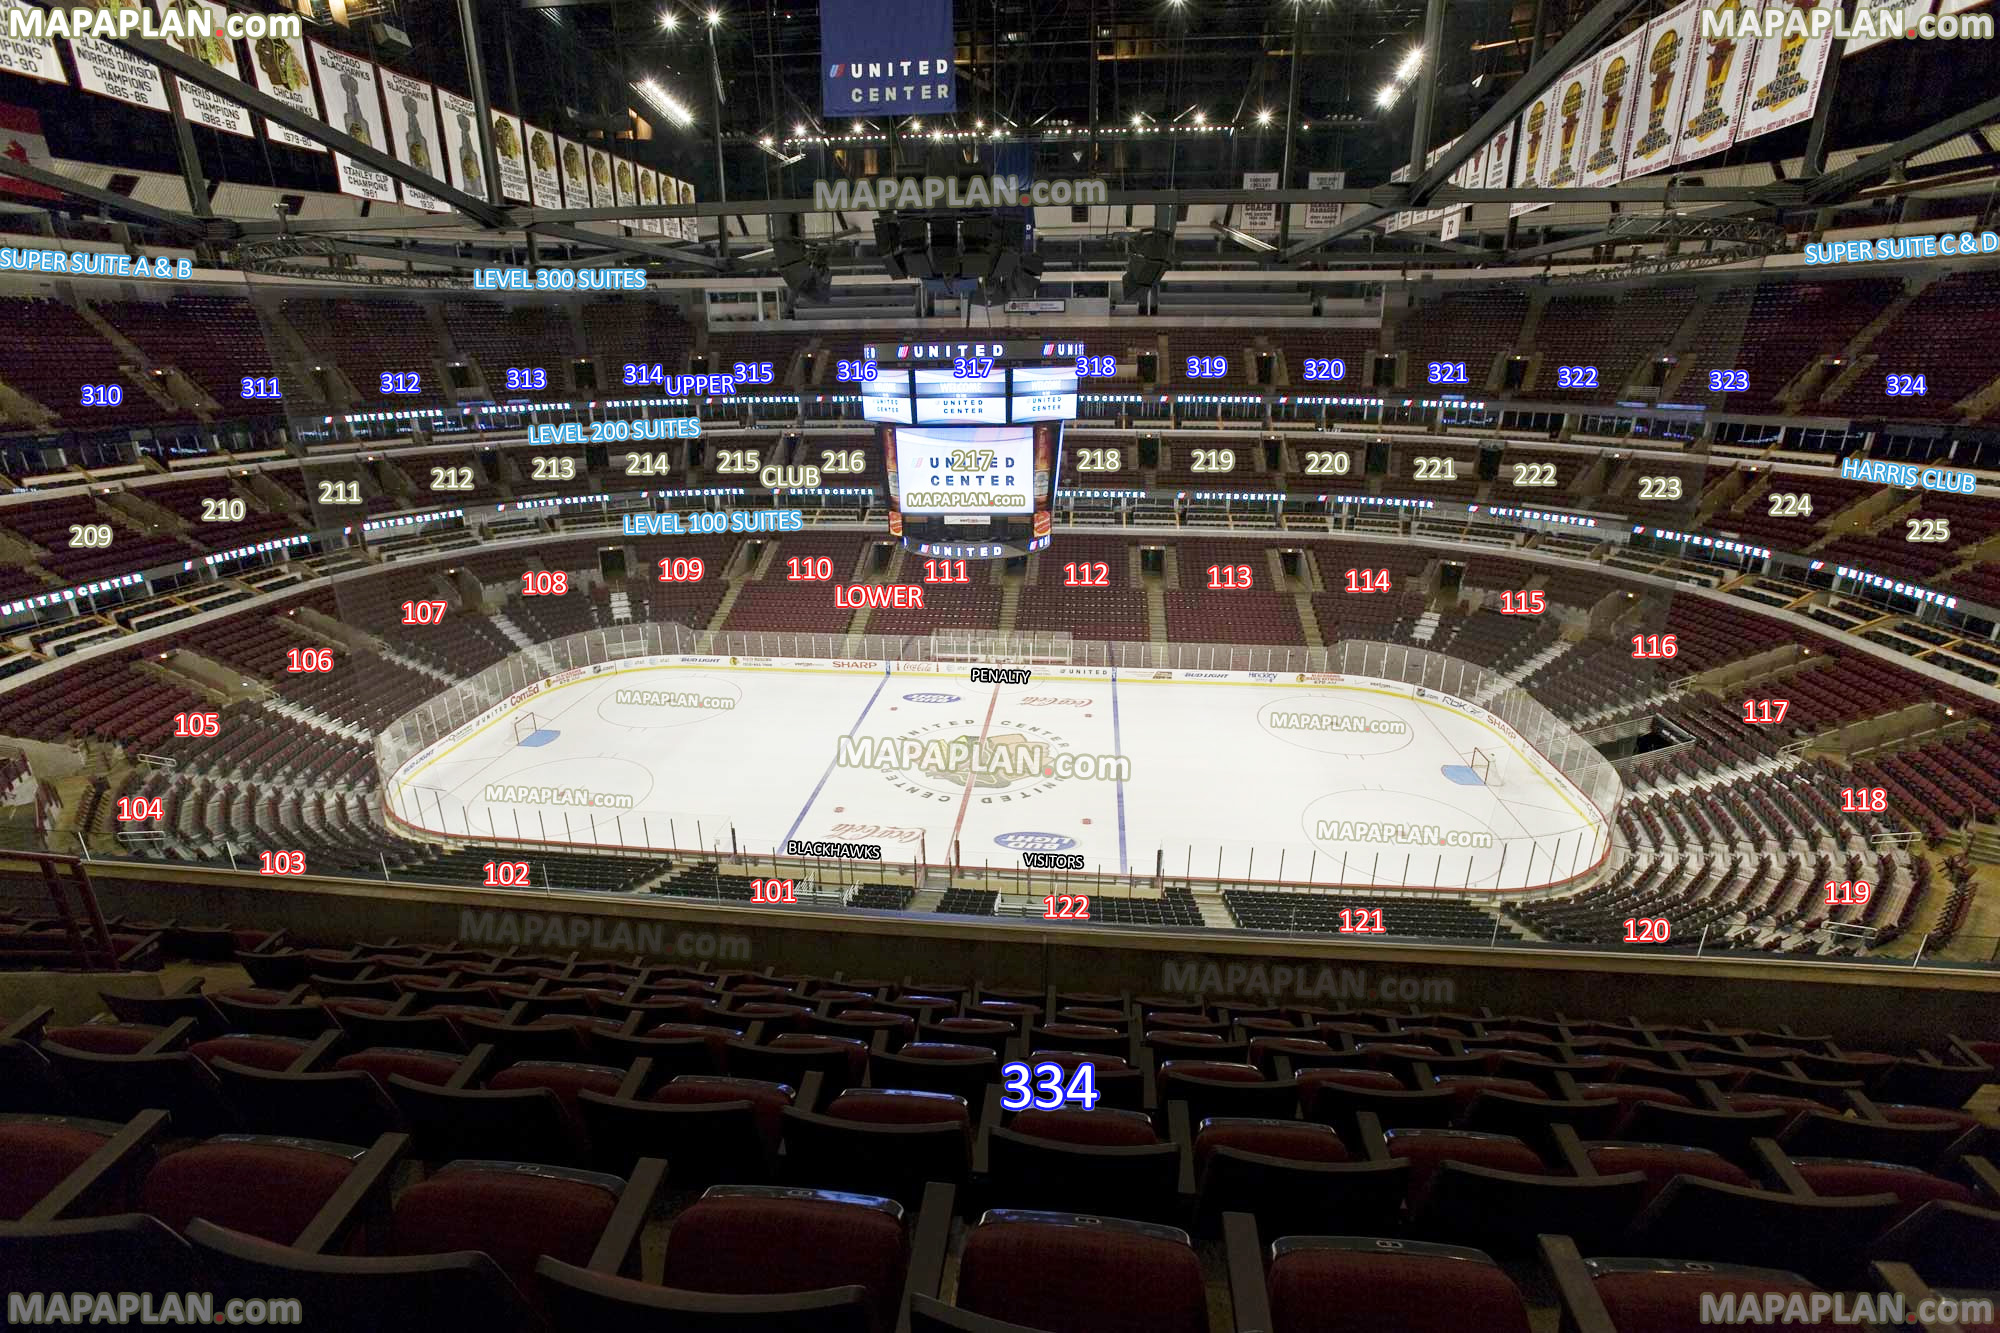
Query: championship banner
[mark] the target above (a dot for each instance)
(886, 57)
(1321, 216)
(1718, 70)
(1452, 223)
(544, 168)
(510, 151)
(33, 56)
(1259, 219)
(202, 106)
(1497, 161)
(461, 144)
(1534, 132)
(575, 174)
(600, 178)
(625, 183)
(690, 227)
(1610, 120)
(1574, 123)
(414, 134)
(1785, 79)
(670, 193)
(1663, 80)
(649, 195)
(1906, 12)
(354, 107)
(112, 71)
(278, 69)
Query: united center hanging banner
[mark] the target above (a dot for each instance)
(649, 195)
(1610, 118)
(112, 71)
(545, 166)
(460, 119)
(278, 68)
(1718, 70)
(575, 174)
(33, 56)
(1785, 76)
(1575, 125)
(1663, 80)
(218, 52)
(886, 57)
(347, 86)
(1534, 133)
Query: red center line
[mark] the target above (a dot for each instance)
(973, 773)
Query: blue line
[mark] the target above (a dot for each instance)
(836, 758)
(1117, 748)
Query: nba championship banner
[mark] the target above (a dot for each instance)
(1663, 80)
(881, 57)
(354, 107)
(649, 195)
(1534, 134)
(600, 178)
(1259, 219)
(510, 149)
(1610, 117)
(33, 56)
(575, 174)
(202, 106)
(1718, 71)
(1785, 76)
(544, 166)
(1320, 216)
(461, 144)
(1574, 123)
(278, 68)
(1497, 161)
(413, 130)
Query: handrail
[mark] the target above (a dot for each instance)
(92, 916)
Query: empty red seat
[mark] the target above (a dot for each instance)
(37, 1151)
(1158, 1287)
(1429, 1149)
(1104, 1127)
(274, 1053)
(1350, 1284)
(741, 1240)
(383, 1061)
(1292, 1140)
(511, 1211)
(268, 1188)
(1661, 1162)
(767, 1100)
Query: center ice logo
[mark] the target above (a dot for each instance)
(1035, 842)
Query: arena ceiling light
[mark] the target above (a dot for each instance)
(1412, 62)
(1387, 97)
(713, 17)
(1264, 116)
(670, 20)
(664, 102)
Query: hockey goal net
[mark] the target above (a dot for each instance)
(525, 726)
(1485, 765)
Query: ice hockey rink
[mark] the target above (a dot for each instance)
(1359, 782)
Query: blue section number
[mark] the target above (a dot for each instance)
(1044, 1087)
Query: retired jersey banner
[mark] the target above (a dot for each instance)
(881, 57)
(1663, 78)
(33, 56)
(354, 107)
(1718, 70)
(1784, 82)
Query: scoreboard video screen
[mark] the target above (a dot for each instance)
(973, 444)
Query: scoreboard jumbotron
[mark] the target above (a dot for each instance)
(971, 433)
